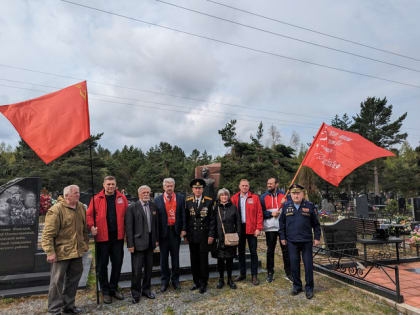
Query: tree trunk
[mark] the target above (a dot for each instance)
(376, 181)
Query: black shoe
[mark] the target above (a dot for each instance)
(194, 287)
(255, 280)
(149, 295)
(118, 295)
(231, 284)
(176, 285)
(309, 294)
(135, 300)
(296, 291)
(270, 277)
(163, 287)
(203, 289)
(107, 299)
(74, 310)
(221, 283)
(240, 278)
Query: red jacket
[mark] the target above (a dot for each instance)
(121, 205)
(254, 214)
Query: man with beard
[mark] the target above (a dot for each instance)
(271, 203)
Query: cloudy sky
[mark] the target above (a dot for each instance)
(148, 83)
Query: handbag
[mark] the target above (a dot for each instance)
(231, 239)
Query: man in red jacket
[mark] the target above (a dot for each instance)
(249, 207)
(109, 208)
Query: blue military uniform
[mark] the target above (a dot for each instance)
(296, 224)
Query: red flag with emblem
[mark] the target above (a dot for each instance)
(53, 123)
(335, 153)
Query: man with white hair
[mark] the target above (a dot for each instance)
(65, 240)
(172, 227)
(142, 230)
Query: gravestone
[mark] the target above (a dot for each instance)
(24, 269)
(184, 264)
(19, 210)
(416, 208)
(211, 175)
(362, 207)
(340, 237)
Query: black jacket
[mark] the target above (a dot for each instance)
(231, 220)
(163, 217)
(136, 228)
(200, 219)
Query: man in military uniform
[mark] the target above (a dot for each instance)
(297, 220)
(200, 233)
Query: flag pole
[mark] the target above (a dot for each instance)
(301, 164)
(94, 219)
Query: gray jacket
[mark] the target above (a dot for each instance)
(136, 228)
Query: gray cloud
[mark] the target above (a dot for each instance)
(55, 37)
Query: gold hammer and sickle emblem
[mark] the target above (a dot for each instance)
(82, 91)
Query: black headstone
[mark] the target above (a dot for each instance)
(19, 210)
(85, 198)
(401, 204)
(340, 237)
(362, 208)
(416, 207)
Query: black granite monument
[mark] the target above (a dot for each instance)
(19, 210)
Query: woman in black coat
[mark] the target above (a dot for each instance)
(227, 213)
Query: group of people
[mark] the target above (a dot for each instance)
(222, 227)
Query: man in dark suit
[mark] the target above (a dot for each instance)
(141, 227)
(200, 232)
(171, 211)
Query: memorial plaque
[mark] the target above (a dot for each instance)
(19, 211)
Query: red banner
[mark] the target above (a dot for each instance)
(335, 153)
(54, 123)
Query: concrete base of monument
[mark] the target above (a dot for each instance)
(34, 283)
(185, 267)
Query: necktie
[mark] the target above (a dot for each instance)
(147, 211)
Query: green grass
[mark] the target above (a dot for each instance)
(169, 311)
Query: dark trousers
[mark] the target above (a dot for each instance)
(139, 260)
(252, 245)
(113, 250)
(271, 240)
(65, 276)
(170, 245)
(295, 250)
(199, 256)
(225, 263)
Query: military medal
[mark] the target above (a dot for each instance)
(203, 212)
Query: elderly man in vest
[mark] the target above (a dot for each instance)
(65, 240)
